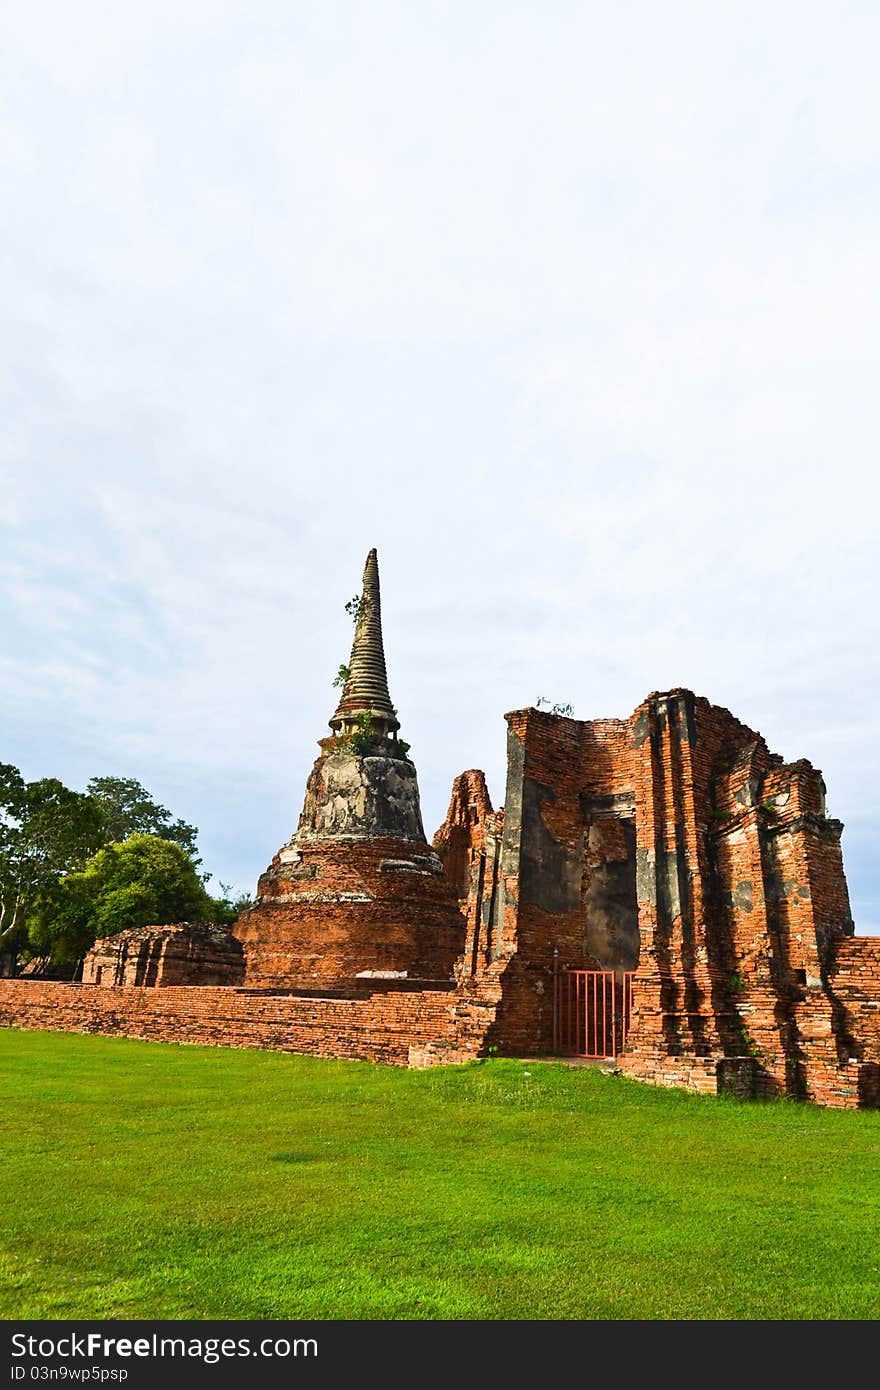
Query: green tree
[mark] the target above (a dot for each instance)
(230, 905)
(128, 809)
(142, 881)
(45, 831)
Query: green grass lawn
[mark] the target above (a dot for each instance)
(143, 1180)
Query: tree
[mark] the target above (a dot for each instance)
(128, 809)
(45, 831)
(228, 908)
(142, 881)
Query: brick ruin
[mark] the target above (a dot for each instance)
(189, 953)
(671, 850)
(675, 846)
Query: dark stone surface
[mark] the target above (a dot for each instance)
(641, 729)
(672, 887)
(511, 835)
(646, 877)
(611, 928)
(550, 873)
(352, 797)
(742, 896)
(684, 721)
(616, 805)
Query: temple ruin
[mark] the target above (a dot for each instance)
(660, 893)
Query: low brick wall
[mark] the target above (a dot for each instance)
(400, 1027)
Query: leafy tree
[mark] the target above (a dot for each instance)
(228, 908)
(142, 881)
(45, 831)
(128, 809)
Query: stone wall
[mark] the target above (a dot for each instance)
(468, 845)
(562, 869)
(462, 836)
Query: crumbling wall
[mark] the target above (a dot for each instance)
(554, 880)
(462, 836)
(187, 953)
(743, 890)
(677, 845)
(468, 845)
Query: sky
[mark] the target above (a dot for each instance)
(571, 310)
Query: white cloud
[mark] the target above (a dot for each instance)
(571, 313)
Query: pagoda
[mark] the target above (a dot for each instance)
(357, 895)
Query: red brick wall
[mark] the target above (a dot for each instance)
(854, 981)
(400, 1027)
(854, 976)
(553, 764)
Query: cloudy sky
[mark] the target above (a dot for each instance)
(569, 309)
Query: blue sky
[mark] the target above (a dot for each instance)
(570, 310)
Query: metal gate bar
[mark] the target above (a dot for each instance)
(591, 1012)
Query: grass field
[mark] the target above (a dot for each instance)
(149, 1181)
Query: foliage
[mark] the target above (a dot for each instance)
(341, 676)
(566, 710)
(142, 881)
(361, 741)
(128, 809)
(229, 906)
(192, 1182)
(748, 1043)
(355, 607)
(57, 892)
(45, 830)
(364, 740)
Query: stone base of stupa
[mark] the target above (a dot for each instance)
(358, 894)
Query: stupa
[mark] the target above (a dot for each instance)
(357, 894)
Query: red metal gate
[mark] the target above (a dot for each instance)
(591, 1012)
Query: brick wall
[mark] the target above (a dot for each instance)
(402, 1027)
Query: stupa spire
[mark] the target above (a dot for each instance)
(366, 686)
